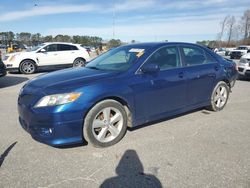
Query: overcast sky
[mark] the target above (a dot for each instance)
(141, 20)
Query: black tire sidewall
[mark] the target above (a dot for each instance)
(213, 106)
(87, 127)
(21, 67)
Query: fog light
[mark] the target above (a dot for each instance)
(46, 131)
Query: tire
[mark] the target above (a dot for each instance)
(219, 97)
(99, 130)
(79, 62)
(27, 67)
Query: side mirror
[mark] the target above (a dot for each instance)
(150, 68)
(248, 51)
(42, 50)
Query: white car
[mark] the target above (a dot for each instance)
(53, 55)
(244, 66)
(239, 52)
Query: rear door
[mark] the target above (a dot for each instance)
(67, 53)
(201, 69)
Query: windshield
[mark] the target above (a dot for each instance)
(242, 48)
(118, 59)
(34, 48)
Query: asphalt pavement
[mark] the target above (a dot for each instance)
(196, 149)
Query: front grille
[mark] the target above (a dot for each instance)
(240, 69)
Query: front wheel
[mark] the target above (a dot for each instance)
(27, 67)
(79, 62)
(219, 97)
(105, 124)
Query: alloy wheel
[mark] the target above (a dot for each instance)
(107, 124)
(220, 96)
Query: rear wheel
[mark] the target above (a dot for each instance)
(105, 124)
(79, 62)
(219, 97)
(27, 67)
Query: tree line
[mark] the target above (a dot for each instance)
(30, 39)
(233, 32)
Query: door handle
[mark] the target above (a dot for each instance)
(216, 68)
(181, 74)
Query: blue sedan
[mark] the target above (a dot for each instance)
(125, 87)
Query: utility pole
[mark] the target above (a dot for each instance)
(114, 19)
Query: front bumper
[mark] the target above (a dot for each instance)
(2, 72)
(244, 69)
(53, 126)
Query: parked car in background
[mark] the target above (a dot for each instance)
(228, 51)
(239, 51)
(221, 51)
(124, 87)
(244, 66)
(47, 56)
(2, 69)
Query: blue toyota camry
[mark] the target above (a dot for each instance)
(125, 87)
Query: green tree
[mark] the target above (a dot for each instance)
(114, 43)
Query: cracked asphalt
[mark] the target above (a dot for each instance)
(196, 149)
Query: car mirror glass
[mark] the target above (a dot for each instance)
(42, 50)
(150, 68)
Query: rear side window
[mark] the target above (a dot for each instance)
(73, 47)
(193, 56)
(64, 47)
(210, 58)
(166, 58)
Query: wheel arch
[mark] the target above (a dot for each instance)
(122, 101)
(29, 59)
(80, 58)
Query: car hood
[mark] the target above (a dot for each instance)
(67, 79)
(246, 56)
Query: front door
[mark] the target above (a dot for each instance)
(163, 91)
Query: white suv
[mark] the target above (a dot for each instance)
(53, 55)
(244, 66)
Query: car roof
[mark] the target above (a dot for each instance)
(46, 43)
(159, 44)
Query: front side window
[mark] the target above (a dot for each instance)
(118, 59)
(51, 48)
(193, 56)
(165, 58)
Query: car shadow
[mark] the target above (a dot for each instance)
(130, 174)
(6, 152)
(8, 81)
(84, 143)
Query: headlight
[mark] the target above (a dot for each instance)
(242, 60)
(58, 99)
